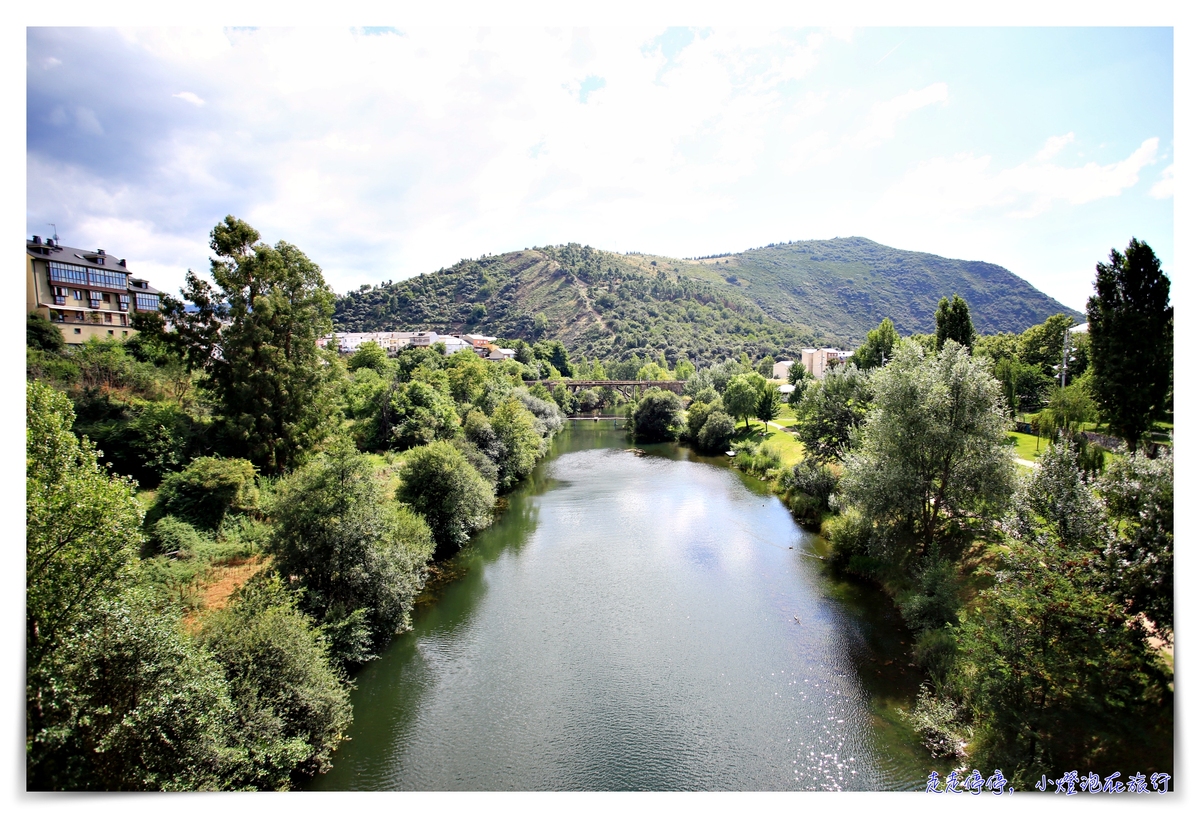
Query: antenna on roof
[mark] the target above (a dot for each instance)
(55, 230)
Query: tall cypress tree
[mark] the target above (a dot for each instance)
(954, 322)
(1131, 325)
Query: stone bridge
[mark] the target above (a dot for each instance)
(627, 389)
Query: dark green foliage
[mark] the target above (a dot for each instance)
(42, 334)
(658, 416)
(207, 490)
(292, 706)
(807, 487)
(1042, 344)
(770, 403)
(718, 429)
(934, 603)
(877, 349)
(369, 355)
(440, 485)
(831, 410)
(518, 440)
(81, 525)
(358, 558)
(697, 414)
(1055, 675)
(742, 394)
(418, 413)
(263, 367)
(174, 537)
(953, 320)
(144, 439)
(1131, 329)
(128, 703)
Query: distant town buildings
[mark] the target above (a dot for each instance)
(393, 342)
(87, 293)
(816, 361)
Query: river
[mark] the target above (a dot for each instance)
(652, 622)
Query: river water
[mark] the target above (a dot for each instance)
(638, 623)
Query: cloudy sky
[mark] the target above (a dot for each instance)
(384, 153)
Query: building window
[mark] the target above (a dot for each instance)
(125, 332)
(146, 302)
(57, 316)
(94, 299)
(108, 319)
(124, 320)
(77, 331)
(123, 301)
(78, 316)
(60, 296)
(68, 273)
(79, 295)
(110, 332)
(107, 298)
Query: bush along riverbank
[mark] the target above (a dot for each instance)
(1040, 600)
(198, 628)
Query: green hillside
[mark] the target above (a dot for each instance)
(770, 301)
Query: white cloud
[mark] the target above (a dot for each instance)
(1164, 188)
(965, 185)
(884, 116)
(188, 96)
(1053, 145)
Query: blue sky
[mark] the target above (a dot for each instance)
(384, 153)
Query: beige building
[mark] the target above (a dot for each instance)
(88, 294)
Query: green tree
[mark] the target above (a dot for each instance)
(1131, 329)
(358, 558)
(658, 416)
(1042, 344)
(518, 442)
(1070, 407)
(207, 490)
(877, 349)
(1052, 668)
(369, 355)
(82, 527)
(830, 411)
(770, 403)
(934, 451)
(417, 413)
(742, 394)
(262, 367)
(1139, 495)
(718, 429)
(292, 705)
(440, 485)
(129, 703)
(953, 319)
(41, 333)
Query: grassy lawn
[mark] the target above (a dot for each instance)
(787, 416)
(790, 449)
(1025, 446)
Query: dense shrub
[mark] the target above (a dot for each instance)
(204, 492)
(292, 705)
(718, 429)
(440, 485)
(358, 558)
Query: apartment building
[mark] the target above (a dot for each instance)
(87, 293)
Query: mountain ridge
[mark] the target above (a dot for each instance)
(766, 301)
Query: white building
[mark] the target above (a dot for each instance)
(780, 370)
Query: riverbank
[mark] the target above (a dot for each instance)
(638, 623)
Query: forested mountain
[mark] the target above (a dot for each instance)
(769, 301)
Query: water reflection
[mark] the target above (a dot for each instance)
(632, 623)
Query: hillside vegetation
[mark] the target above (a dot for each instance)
(770, 301)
